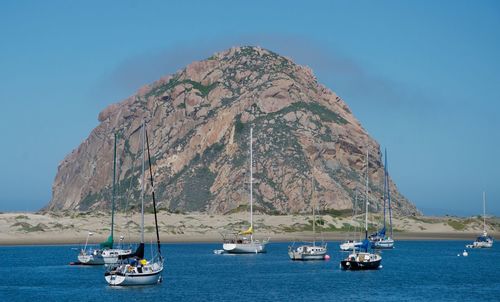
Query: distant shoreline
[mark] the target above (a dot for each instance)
(54, 228)
(169, 239)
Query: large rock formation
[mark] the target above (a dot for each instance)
(198, 122)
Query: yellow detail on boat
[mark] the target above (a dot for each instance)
(247, 232)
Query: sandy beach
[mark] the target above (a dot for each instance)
(38, 229)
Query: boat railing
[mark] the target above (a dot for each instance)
(314, 243)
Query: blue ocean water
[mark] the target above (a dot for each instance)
(413, 271)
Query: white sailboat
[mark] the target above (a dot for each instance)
(134, 269)
(483, 241)
(106, 253)
(243, 242)
(309, 251)
(100, 256)
(380, 240)
(351, 244)
(363, 260)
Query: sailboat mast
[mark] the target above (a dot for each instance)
(153, 194)
(484, 212)
(366, 197)
(113, 192)
(314, 213)
(385, 185)
(388, 191)
(355, 212)
(353, 217)
(251, 182)
(142, 182)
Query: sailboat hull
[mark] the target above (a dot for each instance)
(359, 266)
(307, 252)
(349, 246)
(305, 257)
(361, 261)
(244, 248)
(97, 260)
(100, 257)
(302, 257)
(133, 279)
(91, 259)
(480, 245)
(383, 244)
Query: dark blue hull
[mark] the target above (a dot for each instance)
(359, 266)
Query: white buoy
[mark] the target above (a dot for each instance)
(465, 254)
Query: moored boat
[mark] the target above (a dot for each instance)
(244, 245)
(350, 245)
(309, 251)
(243, 242)
(363, 260)
(106, 254)
(134, 269)
(380, 240)
(484, 240)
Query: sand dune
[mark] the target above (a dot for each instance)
(31, 228)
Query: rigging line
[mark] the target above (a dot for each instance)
(388, 192)
(113, 191)
(119, 197)
(128, 193)
(153, 192)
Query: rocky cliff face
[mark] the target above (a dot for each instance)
(198, 122)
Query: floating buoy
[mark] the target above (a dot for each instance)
(465, 254)
(327, 257)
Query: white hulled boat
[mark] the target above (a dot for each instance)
(100, 256)
(380, 240)
(243, 242)
(484, 240)
(106, 253)
(351, 244)
(309, 251)
(134, 269)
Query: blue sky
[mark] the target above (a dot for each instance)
(423, 77)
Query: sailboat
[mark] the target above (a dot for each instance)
(134, 269)
(483, 241)
(309, 251)
(243, 242)
(106, 254)
(351, 244)
(362, 259)
(379, 239)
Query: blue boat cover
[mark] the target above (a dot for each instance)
(484, 238)
(379, 234)
(365, 244)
